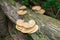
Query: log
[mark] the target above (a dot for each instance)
(3, 24)
(49, 28)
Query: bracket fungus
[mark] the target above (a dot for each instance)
(27, 30)
(21, 12)
(26, 27)
(38, 9)
(22, 7)
(42, 11)
(29, 24)
(36, 28)
(20, 22)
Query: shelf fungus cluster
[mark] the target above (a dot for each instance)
(38, 9)
(22, 10)
(26, 27)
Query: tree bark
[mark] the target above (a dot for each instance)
(3, 24)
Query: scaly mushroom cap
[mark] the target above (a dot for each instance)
(21, 12)
(27, 30)
(36, 8)
(29, 24)
(22, 7)
(20, 22)
(42, 11)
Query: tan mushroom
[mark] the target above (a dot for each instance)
(42, 11)
(22, 7)
(36, 8)
(29, 24)
(21, 12)
(19, 27)
(33, 31)
(20, 22)
(29, 30)
(26, 27)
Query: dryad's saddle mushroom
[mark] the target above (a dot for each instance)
(22, 7)
(22, 10)
(27, 30)
(26, 27)
(38, 9)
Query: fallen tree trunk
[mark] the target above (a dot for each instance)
(49, 28)
(3, 24)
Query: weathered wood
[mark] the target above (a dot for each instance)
(49, 27)
(3, 24)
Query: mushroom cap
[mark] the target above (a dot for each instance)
(20, 22)
(21, 12)
(29, 24)
(22, 7)
(42, 11)
(30, 30)
(19, 27)
(33, 31)
(36, 8)
(26, 25)
(27, 30)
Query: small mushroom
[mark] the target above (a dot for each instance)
(29, 24)
(20, 22)
(21, 12)
(22, 7)
(42, 11)
(36, 8)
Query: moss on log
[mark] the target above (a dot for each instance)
(49, 28)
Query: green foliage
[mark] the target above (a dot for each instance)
(36, 1)
(48, 4)
(57, 5)
(26, 2)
